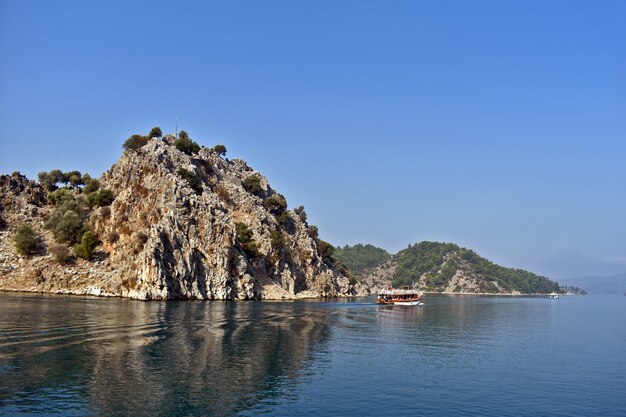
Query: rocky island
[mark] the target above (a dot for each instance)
(175, 220)
(169, 220)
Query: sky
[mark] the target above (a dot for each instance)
(496, 125)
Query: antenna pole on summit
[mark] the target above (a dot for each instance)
(176, 127)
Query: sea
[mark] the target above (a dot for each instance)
(457, 355)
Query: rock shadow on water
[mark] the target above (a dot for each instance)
(133, 358)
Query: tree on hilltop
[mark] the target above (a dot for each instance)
(220, 150)
(49, 180)
(135, 142)
(155, 132)
(185, 144)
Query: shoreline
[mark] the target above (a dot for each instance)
(308, 297)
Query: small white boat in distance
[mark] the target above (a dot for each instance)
(554, 295)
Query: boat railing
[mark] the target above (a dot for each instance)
(393, 291)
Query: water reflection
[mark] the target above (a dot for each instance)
(120, 357)
(454, 356)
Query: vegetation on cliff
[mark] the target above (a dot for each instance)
(26, 241)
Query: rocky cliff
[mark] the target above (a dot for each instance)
(182, 225)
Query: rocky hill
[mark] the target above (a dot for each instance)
(168, 222)
(448, 268)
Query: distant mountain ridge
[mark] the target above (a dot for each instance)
(600, 285)
(447, 268)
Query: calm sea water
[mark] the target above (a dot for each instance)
(461, 355)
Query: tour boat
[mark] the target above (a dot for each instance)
(554, 295)
(400, 297)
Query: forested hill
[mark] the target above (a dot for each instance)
(359, 258)
(446, 267)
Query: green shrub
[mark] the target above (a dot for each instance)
(185, 144)
(278, 242)
(25, 240)
(155, 132)
(301, 214)
(220, 150)
(286, 221)
(69, 228)
(135, 142)
(325, 250)
(87, 244)
(277, 204)
(244, 234)
(313, 232)
(192, 179)
(101, 198)
(91, 184)
(252, 184)
(66, 222)
(59, 196)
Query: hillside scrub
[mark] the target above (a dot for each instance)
(276, 204)
(244, 234)
(87, 245)
(192, 179)
(252, 184)
(66, 221)
(60, 253)
(100, 198)
(26, 241)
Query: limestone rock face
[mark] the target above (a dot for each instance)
(164, 237)
(19, 197)
(373, 279)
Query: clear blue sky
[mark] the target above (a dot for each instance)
(498, 125)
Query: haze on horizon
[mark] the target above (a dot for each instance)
(498, 126)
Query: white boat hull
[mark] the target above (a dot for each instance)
(408, 303)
